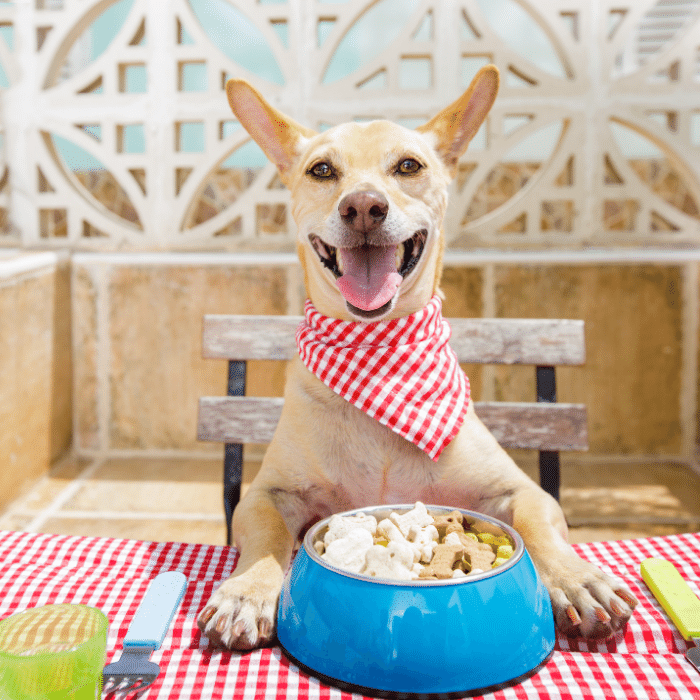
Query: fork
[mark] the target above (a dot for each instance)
(133, 671)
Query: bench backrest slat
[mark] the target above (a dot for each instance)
(478, 340)
(536, 426)
(539, 342)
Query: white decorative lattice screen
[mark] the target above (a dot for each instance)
(117, 134)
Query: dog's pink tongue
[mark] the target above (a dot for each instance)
(369, 278)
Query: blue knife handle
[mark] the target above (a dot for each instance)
(154, 614)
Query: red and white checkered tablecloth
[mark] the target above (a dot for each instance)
(113, 575)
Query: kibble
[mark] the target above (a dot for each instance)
(412, 545)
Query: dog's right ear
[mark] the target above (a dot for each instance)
(456, 126)
(279, 136)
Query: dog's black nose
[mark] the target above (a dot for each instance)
(363, 211)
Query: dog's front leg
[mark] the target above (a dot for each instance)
(241, 613)
(585, 600)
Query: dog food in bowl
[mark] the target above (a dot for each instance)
(416, 544)
(418, 635)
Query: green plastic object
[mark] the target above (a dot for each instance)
(53, 652)
(674, 594)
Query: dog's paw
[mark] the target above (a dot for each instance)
(240, 615)
(586, 601)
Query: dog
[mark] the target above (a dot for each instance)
(369, 200)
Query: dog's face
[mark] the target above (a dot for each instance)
(368, 199)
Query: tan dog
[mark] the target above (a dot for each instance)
(369, 201)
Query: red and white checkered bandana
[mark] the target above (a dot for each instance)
(400, 372)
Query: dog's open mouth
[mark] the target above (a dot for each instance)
(368, 276)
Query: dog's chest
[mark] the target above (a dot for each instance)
(364, 460)
(359, 459)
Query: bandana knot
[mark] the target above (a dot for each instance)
(401, 372)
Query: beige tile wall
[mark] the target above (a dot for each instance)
(631, 381)
(62, 362)
(35, 368)
(139, 372)
(463, 288)
(106, 350)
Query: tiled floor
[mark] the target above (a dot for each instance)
(180, 500)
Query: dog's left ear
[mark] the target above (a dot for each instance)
(456, 125)
(278, 135)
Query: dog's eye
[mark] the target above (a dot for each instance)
(408, 166)
(322, 170)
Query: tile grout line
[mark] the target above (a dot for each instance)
(129, 515)
(574, 521)
(102, 323)
(87, 453)
(600, 522)
(677, 255)
(689, 370)
(488, 310)
(63, 497)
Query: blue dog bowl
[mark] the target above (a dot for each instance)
(383, 637)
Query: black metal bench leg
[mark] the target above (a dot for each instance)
(549, 461)
(233, 453)
(233, 469)
(549, 472)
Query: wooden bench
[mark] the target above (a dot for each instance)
(545, 426)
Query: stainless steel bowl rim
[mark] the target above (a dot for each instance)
(371, 510)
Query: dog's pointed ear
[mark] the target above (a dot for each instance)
(279, 136)
(456, 125)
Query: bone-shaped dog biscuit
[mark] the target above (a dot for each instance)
(454, 527)
(424, 539)
(349, 552)
(418, 516)
(395, 561)
(419, 539)
(452, 538)
(442, 522)
(456, 535)
(390, 530)
(340, 525)
(479, 555)
(443, 561)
